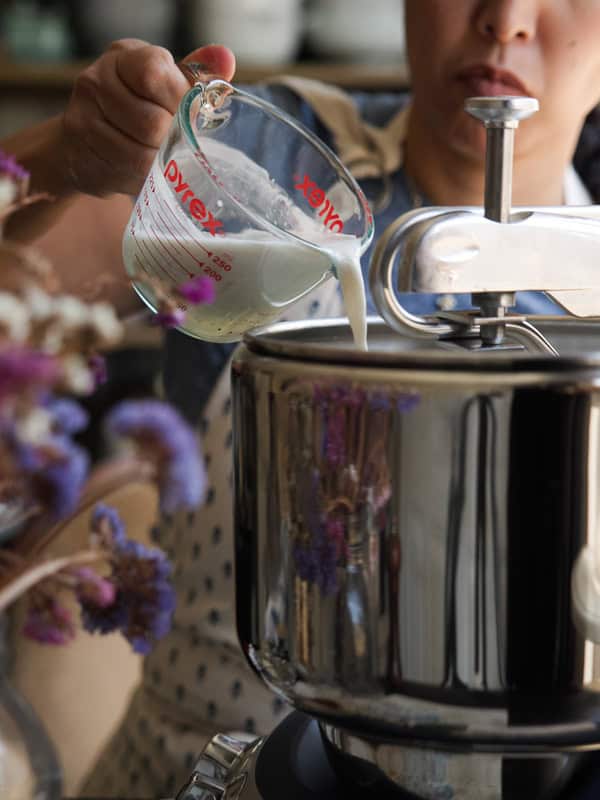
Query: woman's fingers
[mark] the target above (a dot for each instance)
(121, 110)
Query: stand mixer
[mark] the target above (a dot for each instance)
(418, 527)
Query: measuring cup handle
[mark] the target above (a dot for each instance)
(196, 73)
(214, 90)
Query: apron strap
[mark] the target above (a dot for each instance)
(366, 150)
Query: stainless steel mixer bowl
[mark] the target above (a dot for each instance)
(409, 526)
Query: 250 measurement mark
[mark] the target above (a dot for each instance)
(219, 262)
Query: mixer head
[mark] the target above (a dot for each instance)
(491, 252)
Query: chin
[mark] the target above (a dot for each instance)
(468, 137)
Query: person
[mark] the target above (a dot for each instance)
(94, 158)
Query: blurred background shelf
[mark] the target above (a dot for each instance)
(44, 44)
(30, 92)
(59, 77)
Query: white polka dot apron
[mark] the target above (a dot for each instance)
(196, 681)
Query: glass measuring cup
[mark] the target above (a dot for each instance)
(246, 195)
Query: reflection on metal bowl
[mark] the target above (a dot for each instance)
(407, 526)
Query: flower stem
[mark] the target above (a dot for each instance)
(34, 573)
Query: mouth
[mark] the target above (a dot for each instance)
(483, 80)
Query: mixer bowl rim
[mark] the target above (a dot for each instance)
(305, 340)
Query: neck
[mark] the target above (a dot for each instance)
(447, 175)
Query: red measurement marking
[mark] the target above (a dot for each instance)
(174, 241)
(213, 274)
(183, 228)
(161, 243)
(150, 252)
(143, 267)
(154, 238)
(205, 163)
(221, 263)
(180, 244)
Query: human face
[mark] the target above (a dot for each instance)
(549, 49)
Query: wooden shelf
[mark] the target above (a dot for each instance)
(60, 77)
(393, 77)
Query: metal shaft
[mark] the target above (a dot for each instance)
(501, 117)
(499, 172)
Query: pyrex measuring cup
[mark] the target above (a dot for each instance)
(244, 194)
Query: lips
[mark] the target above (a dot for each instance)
(485, 81)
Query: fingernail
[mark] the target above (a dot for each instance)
(195, 71)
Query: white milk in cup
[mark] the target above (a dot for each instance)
(244, 195)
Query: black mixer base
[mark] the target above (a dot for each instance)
(297, 763)
(294, 765)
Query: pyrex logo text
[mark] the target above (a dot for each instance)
(316, 197)
(197, 208)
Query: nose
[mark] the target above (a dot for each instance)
(504, 21)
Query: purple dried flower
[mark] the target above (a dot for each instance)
(407, 402)
(335, 436)
(68, 416)
(145, 600)
(108, 527)
(380, 402)
(97, 366)
(335, 404)
(321, 545)
(48, 622)
(316, 562)
(317, 555)
(305, 562)
(198, 290)
(163, 434)
(22, 369)
(336, 533)
(355, 398)
(327, 568)
(309, 498)
(184, 479)
(170, 318)
(58, 484)
(320, 396)
(93, 589)
(104, 620)
(9, 166)
(55, 471)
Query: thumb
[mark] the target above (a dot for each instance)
(210, 61)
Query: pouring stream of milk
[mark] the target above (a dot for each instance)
(346, 262)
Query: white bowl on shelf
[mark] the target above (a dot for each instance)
(260, 32)
(100, 22)
(352, 30)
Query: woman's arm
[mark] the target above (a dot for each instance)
(79, 233)
(94, 158)
(84, 245)
(40, 149)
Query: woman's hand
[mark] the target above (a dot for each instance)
(121, 110)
